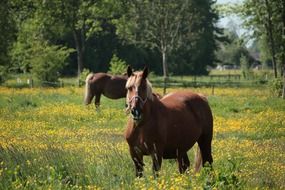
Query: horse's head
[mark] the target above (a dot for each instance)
(138, 92)
(88, 92)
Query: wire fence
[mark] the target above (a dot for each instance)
(30, 83)
(182, 82)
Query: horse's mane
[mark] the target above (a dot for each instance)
(149, 90)
(133, 80)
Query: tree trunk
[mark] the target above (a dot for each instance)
(165, 70)
(269, 28)
(79, 43)
(283, 40)
(283, 47)
(80, 54)
(283, 91)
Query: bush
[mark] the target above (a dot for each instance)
(276, 86)
(32, 53)
(83, 76)
(48, 60)
(117, 66)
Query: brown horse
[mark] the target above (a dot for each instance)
(167, 127)
(112, 87)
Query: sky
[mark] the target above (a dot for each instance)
(226, 21)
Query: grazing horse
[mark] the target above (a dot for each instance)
(112, 87)
(166, 128)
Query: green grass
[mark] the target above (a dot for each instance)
(49, 140)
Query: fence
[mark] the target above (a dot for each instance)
(184, 82)
(30, 83)
(229, 80)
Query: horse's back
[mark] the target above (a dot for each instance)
(100, 78)
(115, 87)
(191, 105)
(111, 86)
(183, 98)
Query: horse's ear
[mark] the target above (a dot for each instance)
(129, 71)
(145, 72)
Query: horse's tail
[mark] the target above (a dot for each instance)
(87, 94)
(198, 159)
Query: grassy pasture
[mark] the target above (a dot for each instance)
(49, 140)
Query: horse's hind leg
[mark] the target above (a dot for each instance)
(183, 162)
(204, 143)
(97, 100)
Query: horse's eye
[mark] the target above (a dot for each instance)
(126, 105)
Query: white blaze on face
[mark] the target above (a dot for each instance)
(133, 83)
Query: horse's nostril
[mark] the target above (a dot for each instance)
(135, 112)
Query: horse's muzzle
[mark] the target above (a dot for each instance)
(136, 113)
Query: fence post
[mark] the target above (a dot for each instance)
(283, 91)
(213, 89)
(30, 82)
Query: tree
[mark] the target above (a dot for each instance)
(283, 46)
(7, 31)
(21, 51)
(198, 50)
(164, 25)
(266, 19)
(230, 52)
(82, 18)
(73, 19)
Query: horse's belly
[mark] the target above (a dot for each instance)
(169, 154)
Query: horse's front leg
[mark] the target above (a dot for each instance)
(156, 163)
(137, 158)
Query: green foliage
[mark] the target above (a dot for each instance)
(32, 53)
(117, 66)
(3, 74)
(94, 29)
(51, 141)
(23, 49)
(231, 52)
(177, 29)
(225, 178)
(83, 76)
(266, 19)
(48, 60)
(7, 32)
(276, 87)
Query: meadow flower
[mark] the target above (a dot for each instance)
(62, 142)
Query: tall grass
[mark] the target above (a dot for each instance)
(49, 140)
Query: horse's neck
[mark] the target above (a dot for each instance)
(155, 108)
(148, 126)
